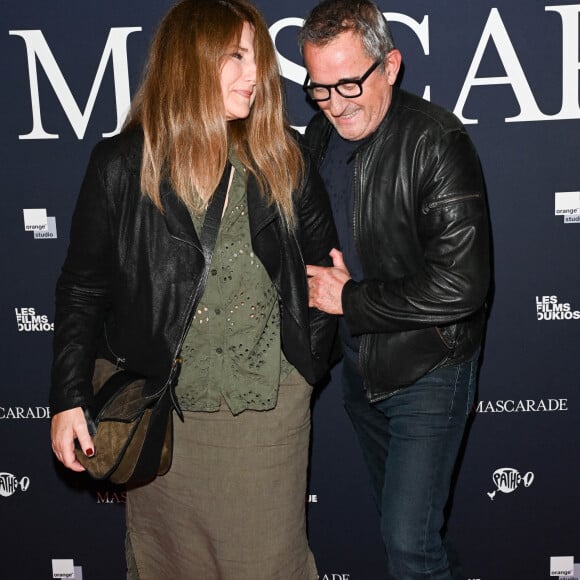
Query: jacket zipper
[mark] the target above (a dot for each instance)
(306, 278)
(178, 360)
(355, 221)
(174, 366)
(429, 205)
(118, 359)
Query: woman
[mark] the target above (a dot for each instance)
(232, 505)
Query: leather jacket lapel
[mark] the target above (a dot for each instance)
(260, 213)
(177, 218)
(277, 249)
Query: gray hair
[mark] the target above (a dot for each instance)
(362, 17)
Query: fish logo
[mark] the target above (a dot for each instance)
(9, 484)
(508, 479)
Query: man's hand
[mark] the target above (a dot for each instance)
(325, 284)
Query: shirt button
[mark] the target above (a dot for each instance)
(214, 272)
(219, 350)
(217, 311)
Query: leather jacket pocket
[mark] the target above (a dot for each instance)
(390, 361)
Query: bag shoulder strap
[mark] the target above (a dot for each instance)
(207, 238)
(210, 229)
(213, 215)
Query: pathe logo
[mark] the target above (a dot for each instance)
(10, 484)
(567, 204)
(508, 479)
(334, 577)
(66, 569)
(563, 567)
(550, 308)
(43, 226)
(28, 321)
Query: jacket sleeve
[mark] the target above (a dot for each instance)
(82, 294)
(318, 237)
(453, 279)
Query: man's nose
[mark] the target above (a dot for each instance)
(336, 104)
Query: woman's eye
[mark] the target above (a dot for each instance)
(237, 55)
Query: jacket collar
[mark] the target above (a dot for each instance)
(382, 131)
(177, 218)
(260, 213)
(180, 225)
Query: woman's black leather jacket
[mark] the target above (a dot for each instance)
(127, 284)
(421, 228)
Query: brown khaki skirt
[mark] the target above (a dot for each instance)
(232, 507)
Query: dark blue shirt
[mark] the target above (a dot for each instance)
(337, 171)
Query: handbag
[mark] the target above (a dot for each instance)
(132, 430)
(131, 427)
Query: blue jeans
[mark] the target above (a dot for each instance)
(410, 443)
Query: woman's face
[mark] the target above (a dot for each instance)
(238, 76)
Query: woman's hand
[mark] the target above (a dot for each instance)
(65, 427)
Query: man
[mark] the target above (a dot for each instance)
(411, 282)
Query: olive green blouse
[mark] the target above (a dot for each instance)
(232, 351)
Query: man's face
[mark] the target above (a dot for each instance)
(344, 58)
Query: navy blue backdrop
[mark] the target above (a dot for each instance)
(510, 71)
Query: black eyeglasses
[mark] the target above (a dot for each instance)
(347, 88)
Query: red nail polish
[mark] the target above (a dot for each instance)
(89, 452)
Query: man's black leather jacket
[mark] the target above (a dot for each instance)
(127, 284)
(421, 230)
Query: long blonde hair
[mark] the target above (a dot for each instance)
(181, 111)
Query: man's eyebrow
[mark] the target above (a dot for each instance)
(341, 80)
